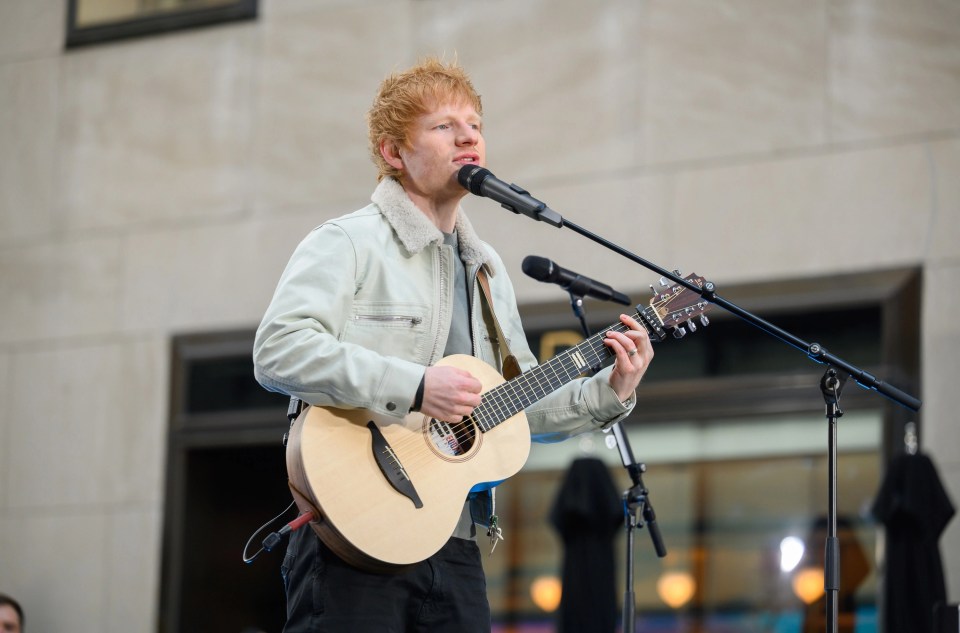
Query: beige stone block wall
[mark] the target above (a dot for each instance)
(158, 186)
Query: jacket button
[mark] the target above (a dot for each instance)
(391, 406)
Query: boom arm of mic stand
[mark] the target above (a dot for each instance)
(813, 350)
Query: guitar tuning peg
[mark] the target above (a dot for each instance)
(653, 290)
(680, 332)
(692, 326)
(704, 321)
(663, 282)
(676, 271)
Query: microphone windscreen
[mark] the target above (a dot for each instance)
(537, 267)
(471, 177)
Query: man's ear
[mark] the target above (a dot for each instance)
(391, 153)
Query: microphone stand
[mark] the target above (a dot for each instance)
(815, 351)
(636, 500)
(830, 385)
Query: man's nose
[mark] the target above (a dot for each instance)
(468, 135)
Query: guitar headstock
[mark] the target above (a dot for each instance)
(674, 309)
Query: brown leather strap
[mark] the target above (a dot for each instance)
(511, 368)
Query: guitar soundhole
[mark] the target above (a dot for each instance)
(451, 440)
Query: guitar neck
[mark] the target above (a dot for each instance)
(513, 396)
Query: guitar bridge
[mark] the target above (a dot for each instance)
(391, 467)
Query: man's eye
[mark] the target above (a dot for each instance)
(442, 126)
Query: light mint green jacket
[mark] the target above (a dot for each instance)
(364, 306)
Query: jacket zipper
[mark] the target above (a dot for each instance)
(389, 318)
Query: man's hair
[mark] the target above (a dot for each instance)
(402, 97)
(6, 600)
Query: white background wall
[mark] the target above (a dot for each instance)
(158, 186)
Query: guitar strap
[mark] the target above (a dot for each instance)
(510, 367)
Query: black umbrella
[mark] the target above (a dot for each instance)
(586, 513)
(915, 509)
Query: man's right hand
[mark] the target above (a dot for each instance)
(449, 393)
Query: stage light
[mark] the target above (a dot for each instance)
(545, 592)
(791, 551)
(676, 588)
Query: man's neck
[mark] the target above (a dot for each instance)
(442, 212)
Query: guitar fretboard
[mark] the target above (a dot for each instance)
(509, 398)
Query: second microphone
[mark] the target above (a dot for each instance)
(543, 269)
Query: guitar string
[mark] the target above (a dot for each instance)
(496, 406)
(500, 403)
(594, 345)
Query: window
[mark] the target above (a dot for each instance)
(94, 21)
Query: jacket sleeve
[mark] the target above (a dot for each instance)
(298, 349)
(580, 406)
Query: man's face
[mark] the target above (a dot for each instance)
(440, 142)
(9, 620)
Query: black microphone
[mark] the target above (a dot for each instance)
(542, 269)
(480, 182)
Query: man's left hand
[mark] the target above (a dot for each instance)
(633, 352)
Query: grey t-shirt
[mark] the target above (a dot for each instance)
(459, 341)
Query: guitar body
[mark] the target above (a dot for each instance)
(388, 492)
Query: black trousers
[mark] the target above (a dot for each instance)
(447, 593)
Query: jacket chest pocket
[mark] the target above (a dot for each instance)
(391, 329)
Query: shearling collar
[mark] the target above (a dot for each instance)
(416, 232)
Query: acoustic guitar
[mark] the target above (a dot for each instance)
(387, 493)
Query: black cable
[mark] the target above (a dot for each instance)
(272, 542)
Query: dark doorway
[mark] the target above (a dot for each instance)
(231, 491)
(226, 478)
